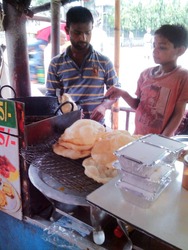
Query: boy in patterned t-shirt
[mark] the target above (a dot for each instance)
(162, 91)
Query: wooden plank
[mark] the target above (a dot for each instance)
(116, 58)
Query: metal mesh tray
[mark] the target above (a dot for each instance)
(58, 177)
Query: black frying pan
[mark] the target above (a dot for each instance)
(35, 105)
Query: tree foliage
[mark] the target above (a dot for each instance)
(138, 15)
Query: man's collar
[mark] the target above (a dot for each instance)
(68, 50)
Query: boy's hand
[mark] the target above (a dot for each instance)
(113, 93)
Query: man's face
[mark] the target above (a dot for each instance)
(80, 35)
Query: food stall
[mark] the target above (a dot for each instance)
(46, 200)
(50, 200)
(43, 195)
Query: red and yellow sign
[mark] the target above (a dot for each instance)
(11, 130)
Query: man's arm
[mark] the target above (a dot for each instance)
(175, 120)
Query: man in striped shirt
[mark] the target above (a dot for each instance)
(81, 71)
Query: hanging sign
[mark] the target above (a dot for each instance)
(11, 132)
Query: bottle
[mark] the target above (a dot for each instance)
(185, 173)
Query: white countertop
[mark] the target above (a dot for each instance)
(166, 219)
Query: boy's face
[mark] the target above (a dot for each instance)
(164, 51)
(80, 35)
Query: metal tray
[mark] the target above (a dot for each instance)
(61, 179)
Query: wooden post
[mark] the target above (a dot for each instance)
(17, 53)
(55, 27)
(116, 59)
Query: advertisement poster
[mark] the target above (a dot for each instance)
(11, 132)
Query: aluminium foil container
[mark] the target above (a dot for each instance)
(140, 158)
(137, 196)
(161, 177)
(174, 147)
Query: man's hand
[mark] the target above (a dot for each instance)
(98, 113)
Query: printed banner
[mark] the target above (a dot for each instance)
(11, 136)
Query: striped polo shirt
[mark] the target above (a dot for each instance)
(95, 75)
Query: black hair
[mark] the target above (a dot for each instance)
(176, 34)
(78, 14)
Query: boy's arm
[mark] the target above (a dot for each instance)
(175, 120)
(115, 93)
(131, 101)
